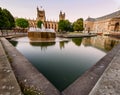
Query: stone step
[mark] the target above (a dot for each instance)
(8, 82)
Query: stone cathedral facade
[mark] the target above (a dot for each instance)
(47, 24)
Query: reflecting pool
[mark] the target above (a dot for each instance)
(63, 61)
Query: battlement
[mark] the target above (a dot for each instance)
(61, 16)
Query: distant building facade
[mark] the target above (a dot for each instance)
(47, 24)
(107, 23)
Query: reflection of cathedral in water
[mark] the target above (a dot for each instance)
(103, 43)
(43, 45)
(62, 44)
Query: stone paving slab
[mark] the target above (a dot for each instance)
(109, 83)
(8, 82)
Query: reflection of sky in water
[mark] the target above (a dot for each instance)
(62, 62)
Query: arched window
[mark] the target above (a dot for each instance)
(116, 28)
(49, 25)
(52, 26)
(45, 25)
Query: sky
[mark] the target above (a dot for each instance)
(74, 9)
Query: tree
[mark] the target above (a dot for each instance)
(6, 19)
(39, 24)
(9, 17)
(61, 25)
(64, 25)
(78, 25)
(1, 18)
(22, 23)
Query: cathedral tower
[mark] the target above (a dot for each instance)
(61, 16)
(41, 15)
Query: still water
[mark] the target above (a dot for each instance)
(63, 61)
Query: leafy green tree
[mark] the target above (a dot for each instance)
(39, 24)
(71, 28)
(4, 21)
(64, 25)
(1, 18)
(78, 25)
(61, 25)
(22, 23)
(9, 17)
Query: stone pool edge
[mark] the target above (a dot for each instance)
(82, 86)
(8, 81)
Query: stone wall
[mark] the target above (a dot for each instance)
(107, 23)
(88, 25)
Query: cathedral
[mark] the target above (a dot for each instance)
(47, 24)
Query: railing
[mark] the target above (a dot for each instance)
(6, 32)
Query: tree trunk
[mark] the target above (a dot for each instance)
(7, 32)
(2, 32)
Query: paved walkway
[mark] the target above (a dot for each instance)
(8, 82)
(109, 83)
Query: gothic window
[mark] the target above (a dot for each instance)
(52, 26)
(49, 26)
(45, 25)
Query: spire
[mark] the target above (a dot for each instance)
(60, 12)
(64, 14)
(37, 8)
(41, 8)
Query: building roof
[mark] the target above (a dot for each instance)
(109, 16)
(112, 15)
(90, 19)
